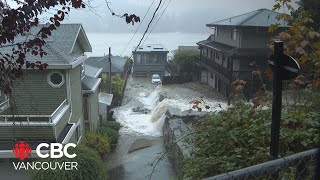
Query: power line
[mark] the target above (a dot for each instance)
(145, 32)
(137, 28)
(157, 21)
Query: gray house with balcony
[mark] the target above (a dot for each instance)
(56, 104)
(225, 56)
(149, 59)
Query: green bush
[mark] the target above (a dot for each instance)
(98, 142)
(185, 59)
(240, 137)
(111, 129)
(117, 84)
(111, 124)
(89, 166)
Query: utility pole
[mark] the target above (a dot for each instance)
(110, 80)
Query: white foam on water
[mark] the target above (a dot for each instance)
(151, 124)
(150, 101)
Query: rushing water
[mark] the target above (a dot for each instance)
(149, 117)
(142, 116)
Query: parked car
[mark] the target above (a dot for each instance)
(156, 79)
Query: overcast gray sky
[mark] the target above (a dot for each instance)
(180, 16)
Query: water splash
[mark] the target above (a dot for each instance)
(151, 101)
(159, 110)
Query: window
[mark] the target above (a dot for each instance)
(211, 54)
(211, 75)
(216, 31)
(138, 58)
(78, 133)
(217, 55)
(234, 34)
(55, 79)
(143, 58)
(82, 70)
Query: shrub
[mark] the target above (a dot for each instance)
(185, 59)
(111, 124)
(111, 129)
(89, 166)
(112, 134)
(98, 142)
(240, 137)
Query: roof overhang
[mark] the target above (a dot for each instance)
(93, 88)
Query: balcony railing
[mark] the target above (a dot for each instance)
(245, 75)
(53, 118)
(217, 67)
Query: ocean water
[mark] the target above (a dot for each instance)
(119, 42)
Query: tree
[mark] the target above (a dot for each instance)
(301, 39)
(18, 21)
(310, 9)
(185, 59)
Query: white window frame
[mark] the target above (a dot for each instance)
(216, 31)
(234, 34)
(55, 85)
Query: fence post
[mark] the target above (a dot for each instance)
(276, 102)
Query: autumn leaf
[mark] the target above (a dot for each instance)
(269, 72)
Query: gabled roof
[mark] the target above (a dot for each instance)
(258, 18)
(59, 46)
(117, 63)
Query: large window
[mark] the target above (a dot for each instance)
(216, 31)
(138, 59)
(234, 34)
(143, 59)
(55, 79)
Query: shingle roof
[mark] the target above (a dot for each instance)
(217, 46)
(89, 84)
(92, 71)
(258, 18)
(117, 63)
(58, 47)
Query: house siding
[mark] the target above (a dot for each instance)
(255, 38)
(94, 110)
(32, 95)
(144, 64)
(78, 48)
(224, 36)
(61, 124)
(26, 133)
(76, 95)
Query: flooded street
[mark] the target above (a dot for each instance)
(142, 115)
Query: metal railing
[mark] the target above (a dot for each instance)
(4, 105)
(58, 110)
(228, 74)
(217, 67)
(35, 118)
(298, 166)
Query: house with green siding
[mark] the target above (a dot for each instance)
(56, 104)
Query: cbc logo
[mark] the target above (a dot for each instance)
(56, 150)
